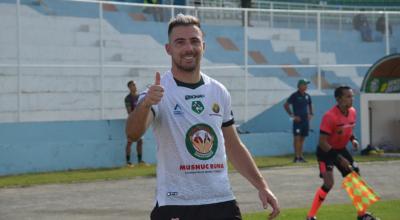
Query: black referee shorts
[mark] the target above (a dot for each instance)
(217, 211)
(326, 163)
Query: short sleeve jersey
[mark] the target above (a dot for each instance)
(300, 103)
(191, 159)
(131, 101)
(338, 126)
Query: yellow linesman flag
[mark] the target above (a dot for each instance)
(360, 193)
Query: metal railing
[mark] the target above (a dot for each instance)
(285, 23)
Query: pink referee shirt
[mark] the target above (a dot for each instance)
(338, 126)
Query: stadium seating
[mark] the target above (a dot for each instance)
(59, 68)
(67, 33)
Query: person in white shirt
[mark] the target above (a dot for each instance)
(195, 134)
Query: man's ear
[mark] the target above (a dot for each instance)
(168, 49)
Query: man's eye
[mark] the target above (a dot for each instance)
(196, 42)
(179, 42)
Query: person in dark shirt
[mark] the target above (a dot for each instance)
(380, 26)
(301, 113)
(246, 4)
(361, 24)
(130, 104)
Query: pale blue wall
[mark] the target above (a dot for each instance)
(271, 130)
(53, 146)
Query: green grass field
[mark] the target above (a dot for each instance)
(385, 210)
(88, 175)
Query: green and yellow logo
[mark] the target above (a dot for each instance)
(198, 107)
(201, 141)
(215, 108)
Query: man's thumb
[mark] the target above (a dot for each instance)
(157, 82)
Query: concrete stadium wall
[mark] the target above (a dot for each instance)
(54, 146)
(32, 147)
(274, 127)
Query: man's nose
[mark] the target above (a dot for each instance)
(188, 46)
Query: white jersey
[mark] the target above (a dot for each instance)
(191, 160)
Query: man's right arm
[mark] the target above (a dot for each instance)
(141, 117)
(287, 108)
(287, 104)
(323, 141)
(326, 128)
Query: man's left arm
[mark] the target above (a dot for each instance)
(354, 142)
(310, 109)
(241, 159)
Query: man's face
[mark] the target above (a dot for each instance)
(132, 88)
(302, 87)
(346, 100)
(186, 47)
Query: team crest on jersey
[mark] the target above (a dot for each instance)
(201, 141)
(197, 107)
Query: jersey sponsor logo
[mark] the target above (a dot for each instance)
(201, 141)
(215, 108)
(211, 166)
(188, 97)
(349, 125)
(178, 110)
(202, 168)
(197, 107)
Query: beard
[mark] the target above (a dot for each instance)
(188, 67)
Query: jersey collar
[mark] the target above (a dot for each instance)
(190, 85)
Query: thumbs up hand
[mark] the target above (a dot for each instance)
(154, 93)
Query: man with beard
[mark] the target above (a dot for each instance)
(191, 111)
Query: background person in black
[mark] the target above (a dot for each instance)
(380, 26)
(130, 104)
(301, 115)
(361, 24)
(246, 4)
